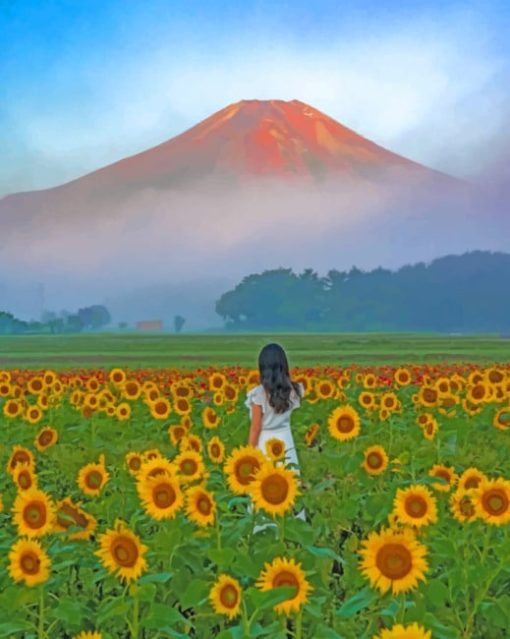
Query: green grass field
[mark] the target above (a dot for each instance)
(192, 351)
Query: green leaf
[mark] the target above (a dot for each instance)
(157, 577)
(162, 617)
(110, 608)
(194, 593)
(319, 551)
(222, 558)
(8, 629)
(71, 611)
(436, 593)
(269, 598)
(357, 602)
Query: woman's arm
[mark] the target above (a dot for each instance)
(256, 425)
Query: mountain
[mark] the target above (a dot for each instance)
(256, 185)
(246, 140)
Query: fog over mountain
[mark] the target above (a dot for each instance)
(258, 185)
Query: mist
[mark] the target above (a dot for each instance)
(153, 253)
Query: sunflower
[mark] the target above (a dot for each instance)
(122, 553)
(412, 631)
(176, 432)
(230, 393)
(123, 411)
(191, 442)
(495, 375)
(182, 406)
(241, 467)
(325, 389)
(36, 385)
(5, 389)
(225, 596)
(216, 450)
(217, 381)
(33, 414)
(415, 506)
(28, 562)
(12, 408)
(93, 477)
(131, 390)
(391, 559)
(275, 449)
(88, 634)
(428, 396)
(45, 438)
(470, 478)
(133, 462)
(492, 501)
(117, 376)
(71, 516)
(478, 393)
(200, 506)
(274, 489)
(152, 467)
(369, 380)
(34, 513)
(24, 477)
(502, 418)
(190, 465)
(402, 376)
(376, 460)
(152, 453)
(311, 434)
(218, 399)
(462, 506)
(430, 429)
(344, 423)
(283, 572)
(161, 496)
(446, 473)
(367, 400)
(210, 417)
(389, 401)
(160, 409)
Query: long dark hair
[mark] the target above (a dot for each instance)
(275, 377)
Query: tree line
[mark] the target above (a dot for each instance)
(467, 293)
(89, 318)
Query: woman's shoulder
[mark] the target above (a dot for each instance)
(256, 395)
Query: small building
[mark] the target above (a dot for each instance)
(149, 325)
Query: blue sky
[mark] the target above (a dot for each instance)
(86, 83)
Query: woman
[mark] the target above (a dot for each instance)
(271, 404)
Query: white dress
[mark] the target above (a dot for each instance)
(275, 425)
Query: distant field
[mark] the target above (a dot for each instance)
(192, 351)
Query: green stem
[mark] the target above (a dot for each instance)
(282, 529)
(40, 628)
(402, 608)
(218, 532)
(299, 625)
(136, 611)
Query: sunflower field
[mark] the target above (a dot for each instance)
(132, 507)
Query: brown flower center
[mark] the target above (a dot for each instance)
(394, 561)
(163, 495)
(229, 596)
(415, 506)
(124, 551)
(34, 514)
(274, 489)
(246, 469)
(495, 501)
(29, 563)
